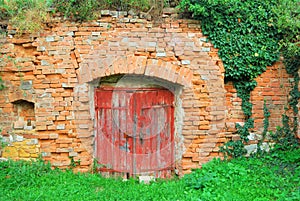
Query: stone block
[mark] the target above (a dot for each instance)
(151, 44)
(114, 13)
(45, 154)
(28, 128)
(185, 62)
(60, 71)
(252, 148)
(104, 25)
(23, 153)
(146, 179)
(73, 154)
(206, 49)
(252, 136)
(32, 142)
(34, 155)
(18, 138)
(96, 33)
(71, 33)
(44, 63)
(10, 152)
(19, 125)
(50, 39)
(105, 12)
(26, 85)
(41, 49)
(123, 13)
(161, 54)
(61, 127)
(169, 11)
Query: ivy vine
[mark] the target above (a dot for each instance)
(247, 36)
(242, 30)
(267, 114)
(288, 24)
(1, 84)
(292, 63)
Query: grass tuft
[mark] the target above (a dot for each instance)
(275, 176)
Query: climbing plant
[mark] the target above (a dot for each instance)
(292, 63)
(250, 36)
(260, 150)
(1, 62)
(288, 25)
(1, 84)
(30, 15)
(76, 9)
(25, 15)
(88, 9)
(245, 34)
(242, 30)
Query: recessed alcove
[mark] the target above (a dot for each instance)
(24, 115)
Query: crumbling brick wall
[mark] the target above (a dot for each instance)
(58, 68)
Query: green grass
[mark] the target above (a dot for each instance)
(272, 177)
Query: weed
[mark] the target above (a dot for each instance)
(274, 176)
(25, 15)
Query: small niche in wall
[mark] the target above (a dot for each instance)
(24, 115)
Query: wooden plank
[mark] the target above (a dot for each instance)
(135, 130)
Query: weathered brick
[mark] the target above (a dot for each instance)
(70, 58)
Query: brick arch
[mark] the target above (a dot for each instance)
(92, 69)
(202, 97)
(21, 95)
(185, 60)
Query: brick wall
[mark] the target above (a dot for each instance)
(273, 86)
(57, 69)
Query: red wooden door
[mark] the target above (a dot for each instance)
(135, 131)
